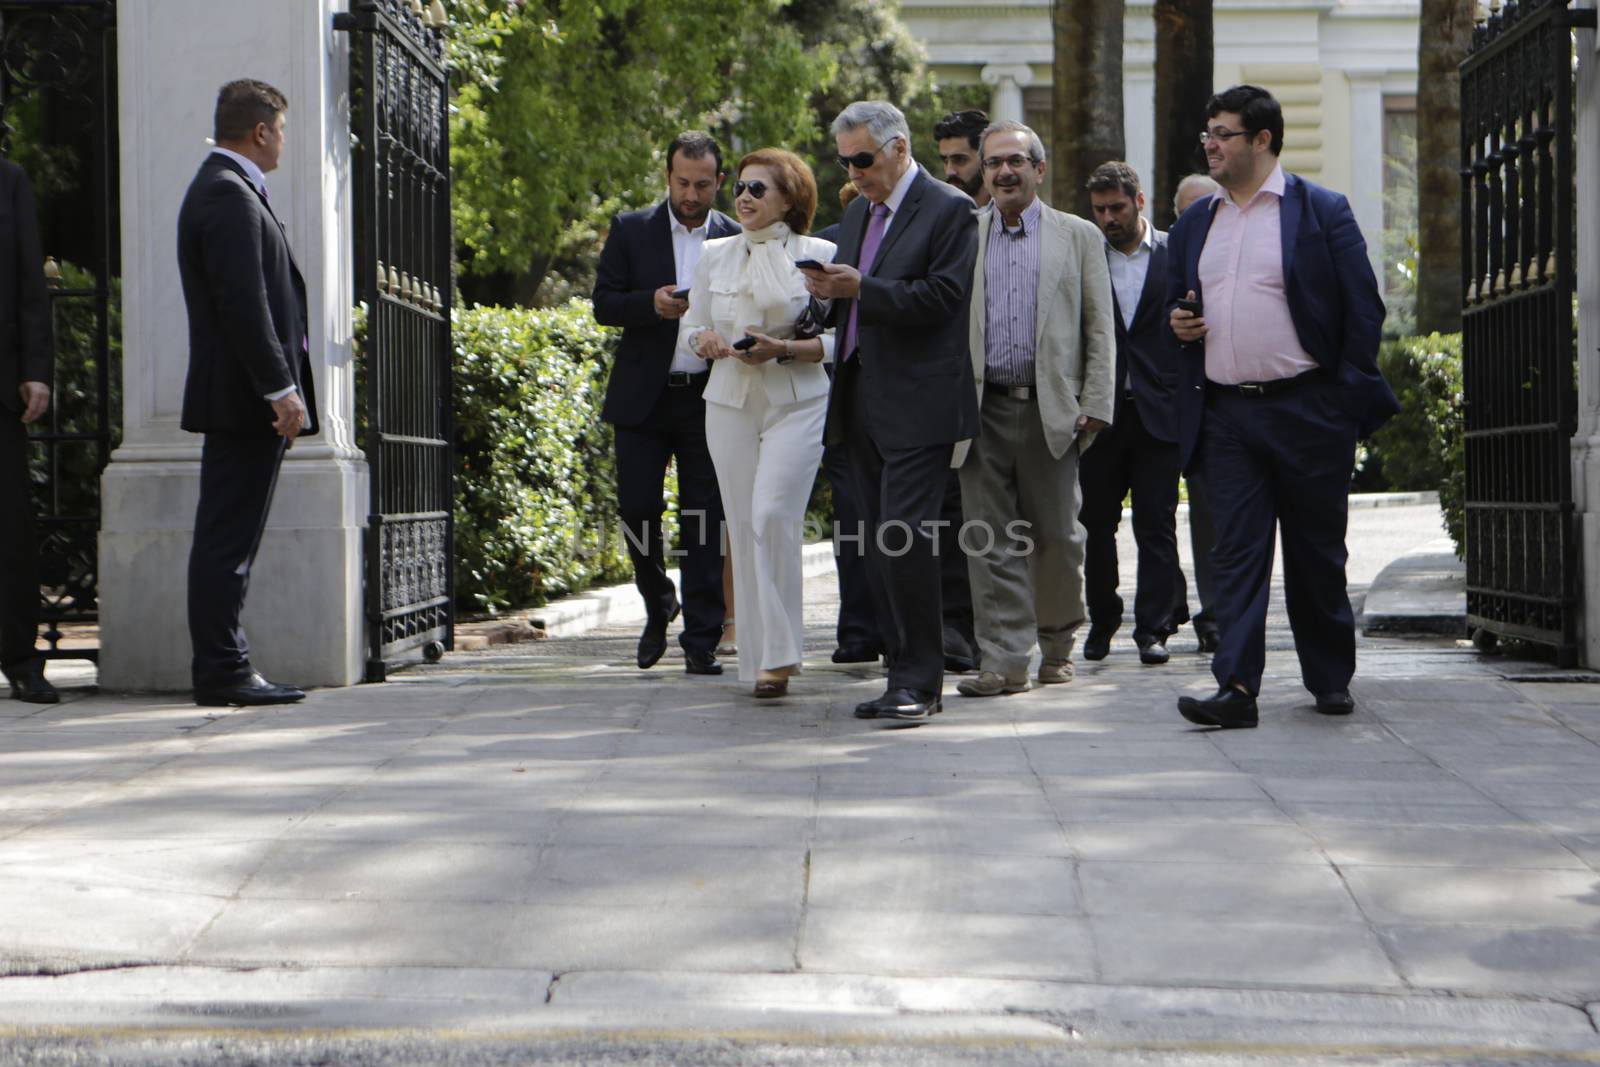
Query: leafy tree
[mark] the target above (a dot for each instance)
(1185, 55)
(562, 105)
(1443, 36)
(1087, 96)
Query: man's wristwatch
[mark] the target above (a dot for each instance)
(788, 352)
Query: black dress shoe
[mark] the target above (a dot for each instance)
(700, 662)
(1207, 640)
(30, 686)
(904, 704)
(1229, 709)
(1339, 703)
(653, 642)
(1153, 653)
(855, 654)
(1098, 643)
(254, 691)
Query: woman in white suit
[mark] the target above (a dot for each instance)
(765, 403)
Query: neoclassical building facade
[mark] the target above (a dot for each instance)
(1345, 70)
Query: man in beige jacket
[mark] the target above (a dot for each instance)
(1044, 354)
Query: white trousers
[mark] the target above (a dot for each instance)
(766, 459)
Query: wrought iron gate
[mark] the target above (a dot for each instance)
(400, 117)
(58, 120)
(1517, 325)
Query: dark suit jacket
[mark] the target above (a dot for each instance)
(26, 351)
(1333, 300)
(916, 371)
(1147, 355)
(247, 306)
(636, 261)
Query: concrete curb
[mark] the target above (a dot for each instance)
(1424, 591)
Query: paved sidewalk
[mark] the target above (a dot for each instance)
(541, 841)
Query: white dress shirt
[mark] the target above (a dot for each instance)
(258, 178)
(686, 246)
(898, 194)
(1128, 272)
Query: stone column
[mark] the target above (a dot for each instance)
(1586, 442)
(304, 612)
(1007, 80)
(1366, 163)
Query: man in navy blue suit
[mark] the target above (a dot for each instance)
(1271, 294)
(654, 402)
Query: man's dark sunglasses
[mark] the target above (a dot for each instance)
(757, 188)
(861, 160)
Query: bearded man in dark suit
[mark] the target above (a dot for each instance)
(249, 389)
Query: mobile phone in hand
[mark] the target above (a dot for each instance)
(744, 344)
(680, 294)
(1193, 307)
(808, 264)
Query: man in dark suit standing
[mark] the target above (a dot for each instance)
(1139, 453)
(903, 393)
(654, 401)
(250, 389)
(1280, 323)
(26, 359)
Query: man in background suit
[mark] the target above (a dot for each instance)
(1042, 347)
(1279, 380)
(1140, 452)
(1202, 532)
(26, 364)
(654, 401)
(249, 389)
(902, 395)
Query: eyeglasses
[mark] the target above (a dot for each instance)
(863, 160)
(756, 188)
(1221, 133)
(1014, 162)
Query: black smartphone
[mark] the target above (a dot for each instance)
(680, 294)
(808, 264)
(744, 343)
(1193, 307)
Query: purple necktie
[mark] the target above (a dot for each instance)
(869, 252)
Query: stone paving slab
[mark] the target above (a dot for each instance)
(1076, 854)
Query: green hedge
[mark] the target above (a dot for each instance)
(1421, 448)
(536, 507)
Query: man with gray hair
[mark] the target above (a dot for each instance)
(902, 395)
(1043, 348)
(1193, 187)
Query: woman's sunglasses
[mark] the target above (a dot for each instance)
(757, 188)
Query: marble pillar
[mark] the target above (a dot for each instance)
(1586, 442)
(304, 611)
(1007, 80)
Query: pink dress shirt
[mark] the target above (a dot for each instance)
(1250, 335)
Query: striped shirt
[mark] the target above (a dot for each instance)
(1011, 296)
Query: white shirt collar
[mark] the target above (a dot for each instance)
(253, 172)
(901, 188)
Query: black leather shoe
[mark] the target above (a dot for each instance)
(700, 662)
(903, 704)
(254, 691)
(1340, 703)
(855, 654)
(1153, 653)
(31, 687)
(1229, 709)
(1207, 640)
(1098, 643)
(653, 642)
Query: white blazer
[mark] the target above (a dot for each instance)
(713, 305)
